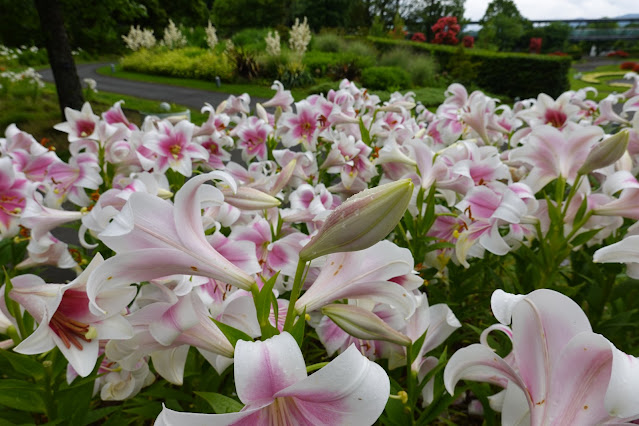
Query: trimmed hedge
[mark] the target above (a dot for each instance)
(190, 62)
(512, 74)
(385, 78)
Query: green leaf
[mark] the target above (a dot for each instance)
(73, 403)
(21, 395)
(24, 364)
(221, 404)
(298, 329)
(581, 211)
(416, 346)
(232, 333)
(263, 301)
(100, 413)
(584, 237)
(366, 136)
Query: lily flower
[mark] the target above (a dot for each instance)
(154, 238)
(559, 372)
(272, 382)
(62, 312)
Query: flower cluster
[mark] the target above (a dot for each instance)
(273, 47)
(235, 235)
(445, 30)
(300, 36)
(211, 36)
(173, 37)
(138, 38)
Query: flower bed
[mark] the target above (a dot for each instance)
(342, 271)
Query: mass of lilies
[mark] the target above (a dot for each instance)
(295, 247)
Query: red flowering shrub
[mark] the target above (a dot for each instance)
(628, 65)
(535, 45)
(468, 41)
(636, 68)
(446, 30)
(619, 53)
(558, 53)
(420, 37)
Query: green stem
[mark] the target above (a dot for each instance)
(410, 382)
(317, 366)
(295, 292)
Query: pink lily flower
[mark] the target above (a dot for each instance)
(173, 147)
(17, 140)
(559, 372)
(70, 180)
(363, 274)
(115, 115)
(556, 113)
(282, 98)
(62, 312)
(14, 191)
(164, 325)
(80, 124)
(252, 134)
(48, 250)
(300, 127)
(272, 382)
(154, 238)
(552, 153)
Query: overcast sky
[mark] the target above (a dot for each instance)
(559, 9)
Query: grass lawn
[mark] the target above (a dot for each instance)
(601, 78)
(38, 116)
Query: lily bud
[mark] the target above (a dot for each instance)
(261, 112)
(247, 198)
(361, 221)
(363, 324)
(221, 107)
(398, 106)
(607, 152)
(283, 177)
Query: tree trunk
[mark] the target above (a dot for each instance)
(65, 74)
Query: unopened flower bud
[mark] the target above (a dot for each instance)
(606, 152)
(261, 112)
(283, 177)
(247, 198)
(363, 324)
(361, 221)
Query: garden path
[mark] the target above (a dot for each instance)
(192, 98)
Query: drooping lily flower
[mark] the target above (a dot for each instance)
(559, 372)
(272, 382)
(154, 238)
(62, 312)
(363, 274)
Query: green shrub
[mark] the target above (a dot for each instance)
(328, 42)
(251, 39)
(337, 65)
(512, 74)
(387, 78)
(421, 68)
(190, 62)
(359, 48)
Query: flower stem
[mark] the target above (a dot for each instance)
(295, 293)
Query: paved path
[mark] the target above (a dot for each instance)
(192, 98)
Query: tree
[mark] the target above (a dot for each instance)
(324, 13)
(230, 16)
(503, 26)
(60, 58)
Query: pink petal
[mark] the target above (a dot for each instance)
(543, 322)
(262, 369)
(349, 390)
